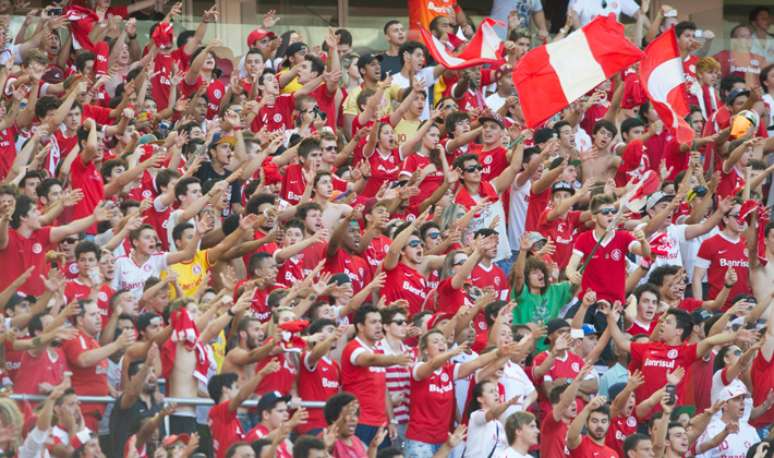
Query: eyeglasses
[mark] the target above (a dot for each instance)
(414, 243)
(399, 322)
(607, 211)
(434, 235)
(330, 148)
(473, 169)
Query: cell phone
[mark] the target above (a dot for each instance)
(671, 391)
(323, 115)
(698, 33)
(556, 163)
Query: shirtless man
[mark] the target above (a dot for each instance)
(600, 164)
(761, 275)
(331, 211)
(242, 358)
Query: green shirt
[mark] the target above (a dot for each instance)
(541, 308)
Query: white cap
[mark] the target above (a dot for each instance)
(732, 390)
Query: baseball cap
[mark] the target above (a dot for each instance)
(17, 299)
(340, 279)
(700, 315)
(219, 138)
(615, 390)
(562, 186)
(736, 93)
(294, 48)
(589, 329)
(258, 35)
(656, 198)
(494, 119)
(535, 237)
(269, 400)
(732, 390)
(555, 325)
(367, 58)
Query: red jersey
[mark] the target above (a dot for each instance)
(260, 431)
(762, 376)
(490, 277)
(87, 178)
(429, 184)
(367, 384)
(606, 273)
(634, 163)
(48, 367)
(182, 59)
(278, 116)
(161, 84)
(562, 231)
(293, 184)
(354, 266)
(717, 254)
(384, 167)
(403, 282)
(589, 448)
(537, 203)
(282, 380)
(566, 368)
(449, 299)
(655, 360)
(376, 251)
(75, 290)
(291, 271)
(620, 428)
(259, 304)
(317, 383)
(730, 183)
(638, 328)
(61, 146)
(92, 380)
(22, 253)
(431, 405)
(553, 437)
(225, 428)
(494, 160)
(7, 149)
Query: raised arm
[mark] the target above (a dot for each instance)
(506, 177)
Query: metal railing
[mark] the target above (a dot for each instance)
(178, 401)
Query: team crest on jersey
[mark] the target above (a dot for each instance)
(488, 160)
(616, 255)
(444, 377)
(482, 326)
(102, 296)
(146, 193)
(672, 354)
(73, 268)
(146, 267)
(37, 248)
(497, 281)
(217, 94)
(196, 269)
(277, 117)
(575, 367)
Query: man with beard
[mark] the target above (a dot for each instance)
(242, 358)
(363, 365)
(596, 417)
(139, 400)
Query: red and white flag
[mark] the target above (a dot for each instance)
(662, 77)
(550, 77)
(484, 48)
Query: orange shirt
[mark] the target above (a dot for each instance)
(421, 12)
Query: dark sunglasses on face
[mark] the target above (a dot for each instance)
(607, 211)
(399, 322)
(473, 169)
(70, 241)
(434, 235)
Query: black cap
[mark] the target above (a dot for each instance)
(555, 325)
(269, 400)
(700, 315)
(562, 186)
(294, 48)
(367, 58)
(736, 93)
(494, 119)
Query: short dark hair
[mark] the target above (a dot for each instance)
(755, 12)
(255, 260)
(389, 23)
(45, 104)
(23, 206)
(630, 123)
(647, 288)
(682, 26)
(684, 322)
(87, 246)
(460, 161)
(82, 58)
(303, 210)
(181, 187)
(256, 201)
(600, 200)
(305, 444)
(604, 124)
(218, 382)
(44, 187)
(452, 119)
(316, 63)
(345, 37)
(658, 274)
(177, 231)
(410, 47)
(308, 145)
(362, 313)
(764, 75)
(631, 442)
(335, 404)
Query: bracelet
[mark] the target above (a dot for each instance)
(728, 286)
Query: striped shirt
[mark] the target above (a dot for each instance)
(399, 381)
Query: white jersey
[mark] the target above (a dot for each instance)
(517, 214)
(734, 445)
(130, 276)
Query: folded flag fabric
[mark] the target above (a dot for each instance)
(661, 73)
(484, 48)
(550, 77)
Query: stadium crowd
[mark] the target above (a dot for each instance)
(371, 255)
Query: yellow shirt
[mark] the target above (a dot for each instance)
(292, 86)
(385, 107)
(406, 129)
(190, 275)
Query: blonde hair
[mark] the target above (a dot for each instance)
(707, 65)
(10, 415)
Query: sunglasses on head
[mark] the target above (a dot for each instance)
(414, 243)
(473, 169)
(607, 211)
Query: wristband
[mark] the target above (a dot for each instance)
(728, 286)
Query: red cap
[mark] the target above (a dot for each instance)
(163, 34)
(437, 318)
(258, 35)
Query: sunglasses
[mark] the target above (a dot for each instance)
(329, 148)
(414, 243)
(69, 240)
(434, 235)
(399, 322)
(473, 169)
(607, 211)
